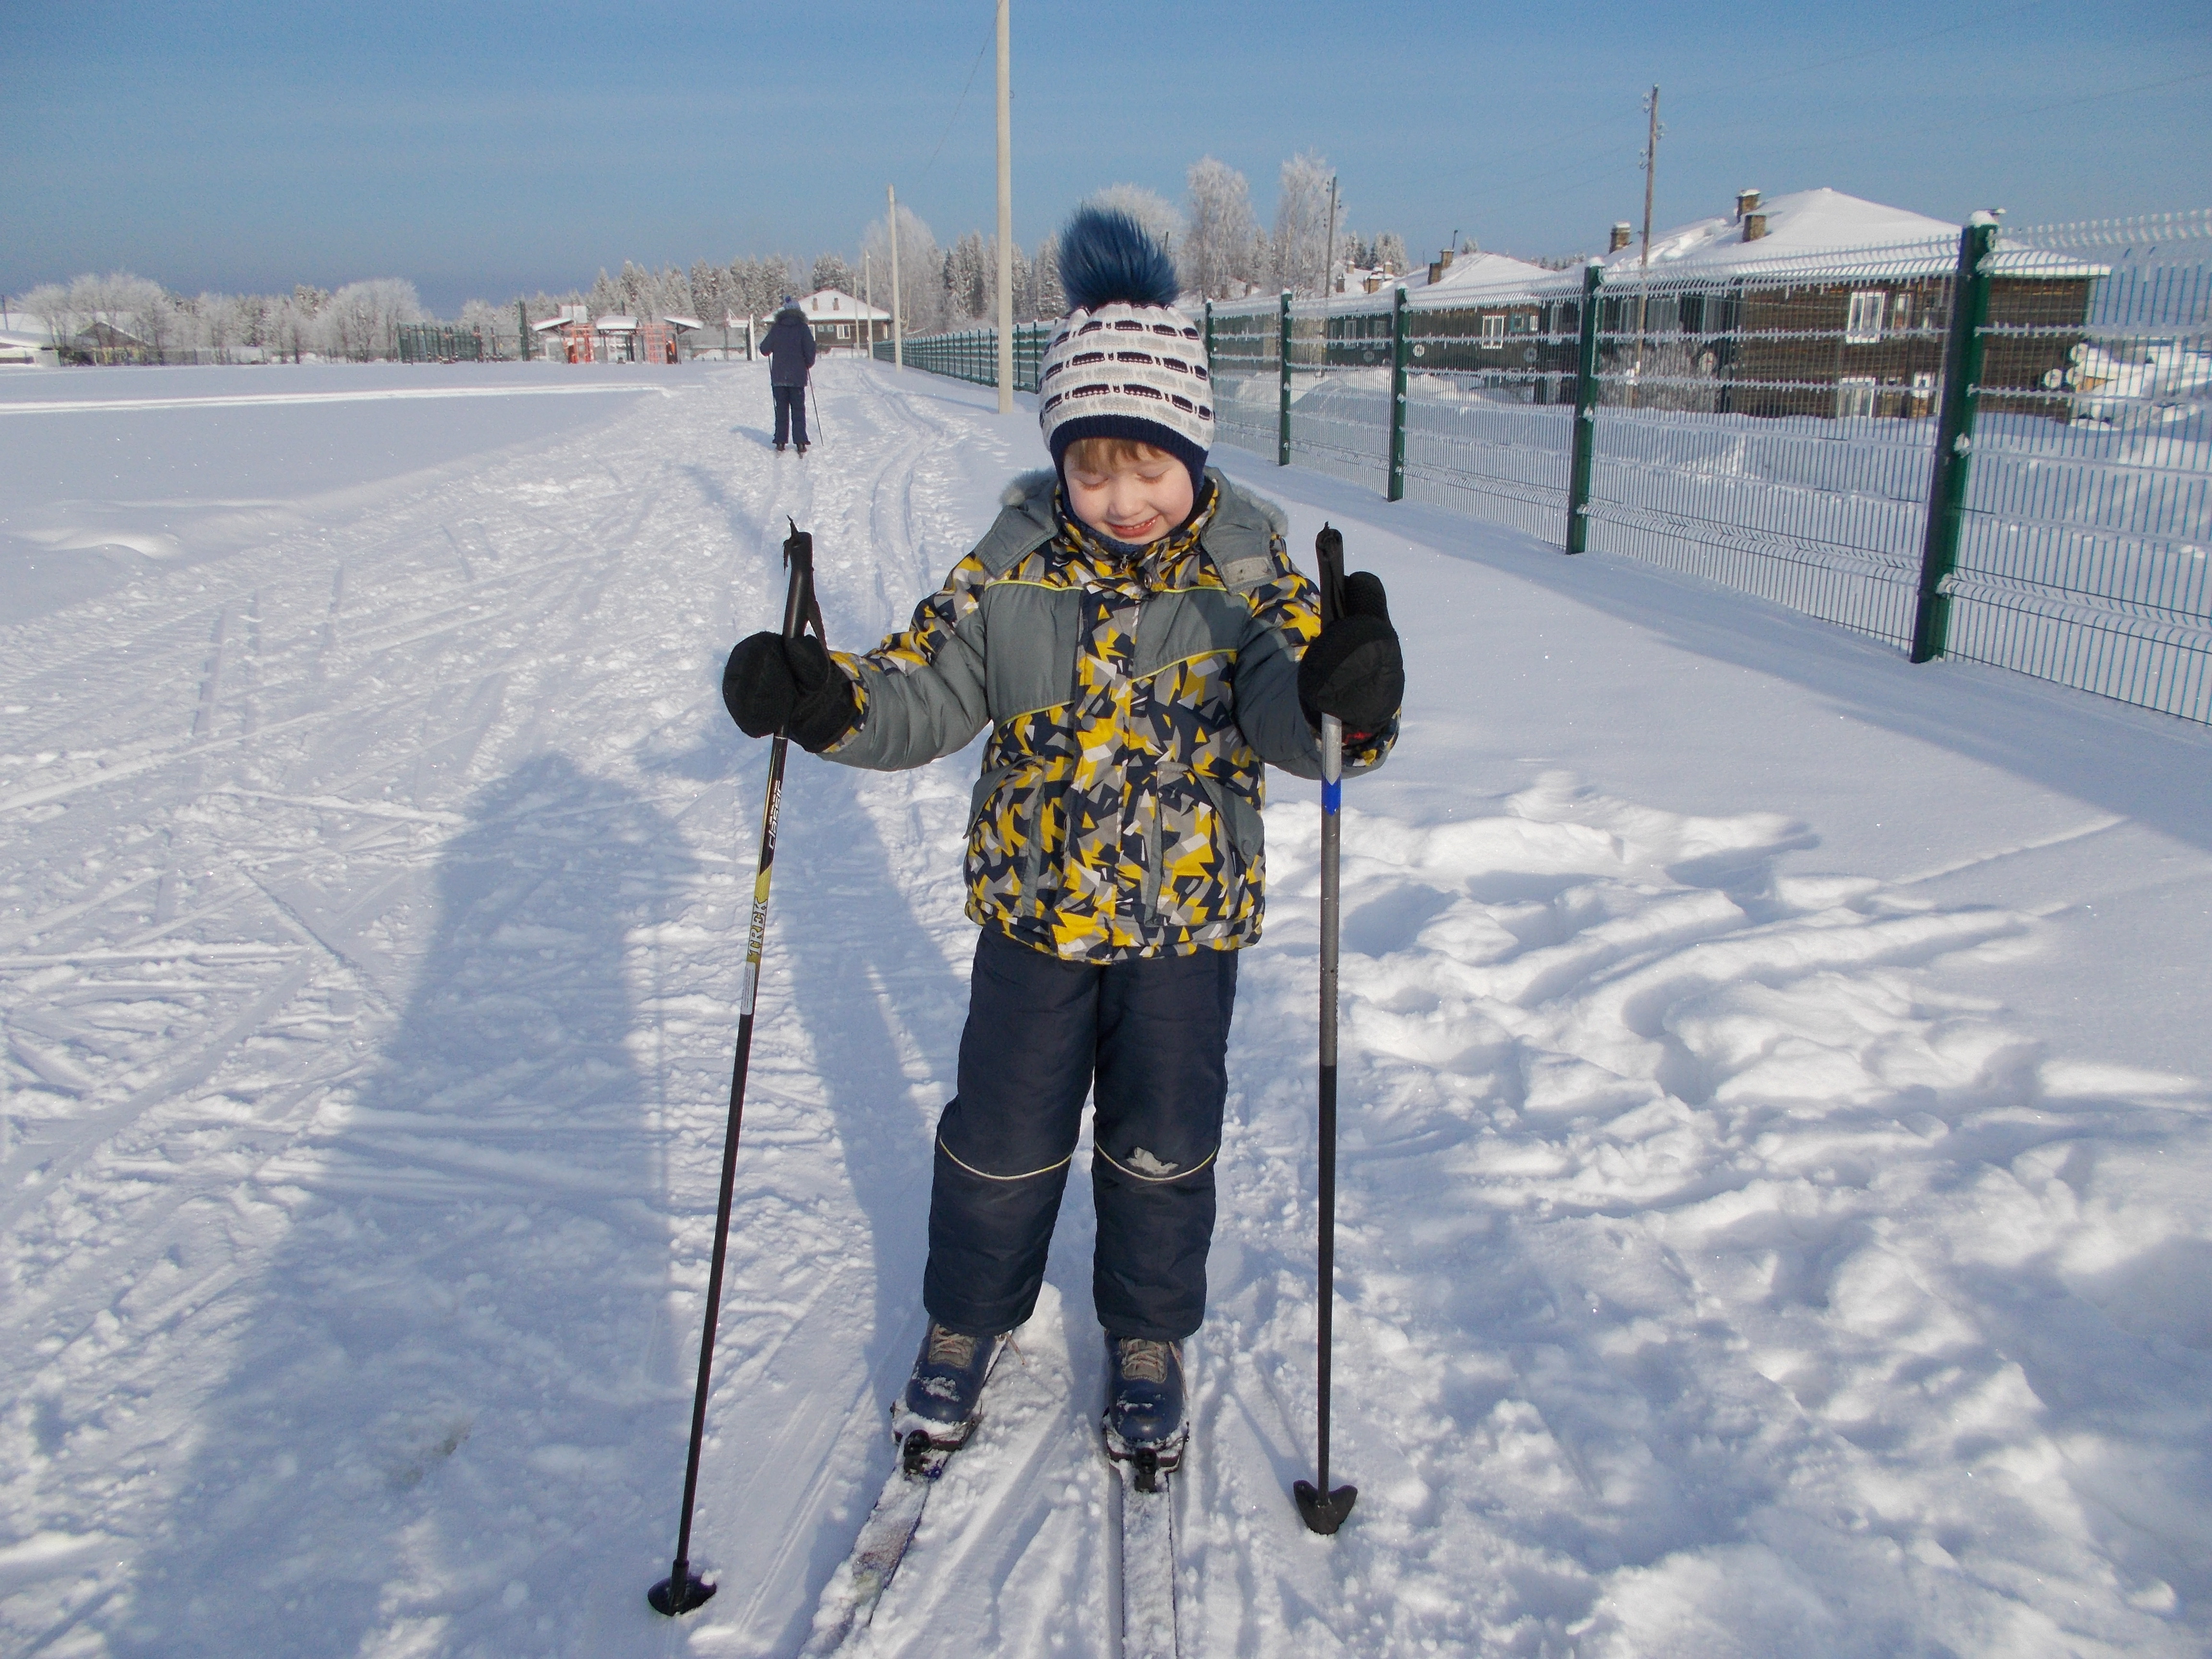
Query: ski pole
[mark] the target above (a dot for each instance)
(821, 433)
(1324, 1510)
(682, 1590)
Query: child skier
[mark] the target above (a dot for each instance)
(1136, 636)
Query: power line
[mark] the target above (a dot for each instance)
(1870, 52)
(988, 40)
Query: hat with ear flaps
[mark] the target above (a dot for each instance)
(1125, 363)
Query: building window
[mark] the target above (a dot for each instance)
(1863, 327)
(1494, 332)
(1900, 314)
(1854, 395)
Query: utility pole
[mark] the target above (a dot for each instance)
(868, 296)
(1644, 260)
(1329, 257)
(1005, 214)
(898, 310)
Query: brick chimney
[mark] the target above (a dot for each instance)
(1621, 236)
(1747, 211)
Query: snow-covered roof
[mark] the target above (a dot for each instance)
(1473, 276)
(674, 321)
(1823, 234)
(1806, 223)
(617, 324)
(834, 305)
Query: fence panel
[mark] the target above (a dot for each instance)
(972, 353)
(2087, 529)
(1490, 393)
(1247, 355)
(1775, 433)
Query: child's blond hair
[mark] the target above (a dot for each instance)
(1104, 454)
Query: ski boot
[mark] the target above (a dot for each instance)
(779, 449)
(1143, 1421)
(936, 1412)
(802, 449)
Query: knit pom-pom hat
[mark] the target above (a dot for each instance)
(1125, 363)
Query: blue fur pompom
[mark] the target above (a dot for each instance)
(1105, 256)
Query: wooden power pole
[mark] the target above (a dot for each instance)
(1006, 215)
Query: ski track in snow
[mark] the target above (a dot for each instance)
(1716, 1276)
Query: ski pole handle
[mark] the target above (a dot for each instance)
(1328, 553)
(799, 609)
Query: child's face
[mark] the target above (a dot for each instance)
(1136, 500)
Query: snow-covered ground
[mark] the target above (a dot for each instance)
(1777, 1118)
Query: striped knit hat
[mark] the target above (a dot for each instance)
(1125, 363)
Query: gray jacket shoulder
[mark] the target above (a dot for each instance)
(1246, 537)
(1024, 521)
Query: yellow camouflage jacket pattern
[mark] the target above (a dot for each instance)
(1132, 702)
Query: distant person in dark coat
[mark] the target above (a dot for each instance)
(788, 345)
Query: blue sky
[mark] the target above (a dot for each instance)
(482, 150)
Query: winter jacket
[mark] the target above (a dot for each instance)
(1132, 704)
(788, 345)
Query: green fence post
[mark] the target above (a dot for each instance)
(1954, 436)
(1283, 420)
(1579, 475)
(1398, 355)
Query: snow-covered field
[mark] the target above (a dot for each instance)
(1776, 1125)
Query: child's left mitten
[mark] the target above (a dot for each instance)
(1355, 670)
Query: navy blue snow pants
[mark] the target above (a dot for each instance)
(1148, 1040)
(790, 414)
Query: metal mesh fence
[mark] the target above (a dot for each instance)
(1247, 358)
(1772, 432)
(2088, 525)
(1490, 395)
(444, 343)
(972, 353)
(2012, 465)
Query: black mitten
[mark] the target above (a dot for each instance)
(771, 684)
(1355, 670)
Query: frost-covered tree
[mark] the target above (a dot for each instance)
(1153, 211)
(1046, 300)
(1299, 248)
(757, 286)
(830, 270)
(1388, 253)
(254, 311)
(920, 270)
(49, 303)
(362, 321)
(970, 288)
(1216, 256)
(130, 311)
(709, 284)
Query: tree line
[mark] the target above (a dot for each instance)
(1220, 249)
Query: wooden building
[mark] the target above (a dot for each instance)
(842, 323)
(1820, 303)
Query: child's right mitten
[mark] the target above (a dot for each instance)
(774, 685)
